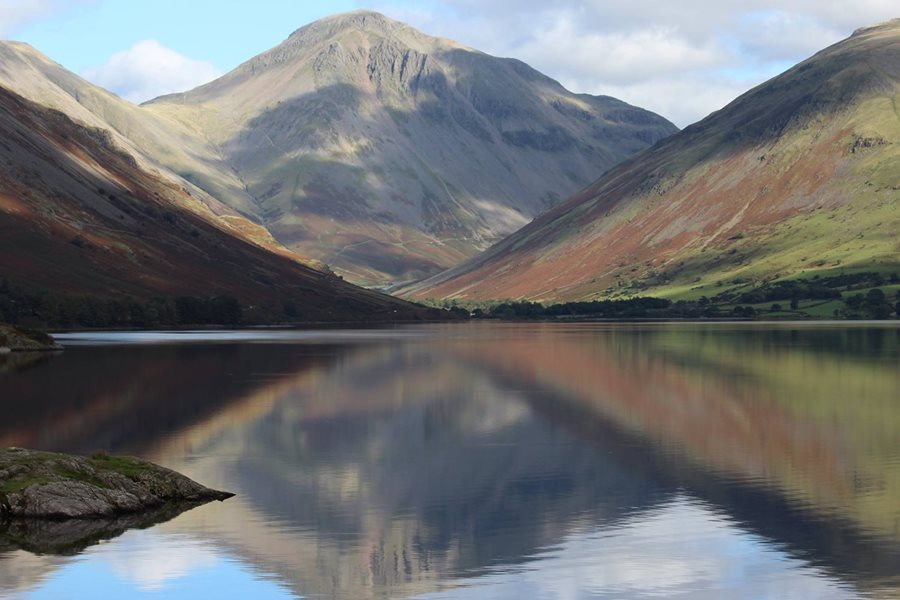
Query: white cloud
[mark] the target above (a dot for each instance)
(148, 69)
(682, 59)
(683, 100)
(152, 560)
(15, 14)
(632, 56)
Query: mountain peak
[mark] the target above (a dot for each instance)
(359, 20)
(362, 18)
(358, 138)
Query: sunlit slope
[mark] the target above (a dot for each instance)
(79, 216)
(799, 175)
(157, 144)
(27, 72)
(392, 155)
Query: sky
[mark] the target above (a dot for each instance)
(681, 59)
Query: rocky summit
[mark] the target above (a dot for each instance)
(58, 486)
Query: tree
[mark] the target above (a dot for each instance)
(776, 307)
(875, 296)
(225, 310)
(191, 311)
(855, 301)
(880, 311)
(876, 305)
(711, 311)
(795, 304)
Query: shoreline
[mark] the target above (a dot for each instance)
(369, 325)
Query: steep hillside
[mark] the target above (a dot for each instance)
(390, 154)
(80, 216)
(799, 175)
(157, 143)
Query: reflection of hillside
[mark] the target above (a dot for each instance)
(20, 361)
(826, 431)
(406, 466)
(146, 396)
(401, 468)
(137, 395)
(20, 570)
(400, 462)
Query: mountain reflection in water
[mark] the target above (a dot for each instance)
(488, 461)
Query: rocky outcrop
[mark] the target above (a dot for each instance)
(13, 339)
(43, 485)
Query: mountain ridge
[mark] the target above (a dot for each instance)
(735, 199)
(362, 142)
(80, 217)
(157, 144)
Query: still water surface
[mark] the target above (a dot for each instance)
(483, 461)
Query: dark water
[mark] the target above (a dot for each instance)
(485, 461)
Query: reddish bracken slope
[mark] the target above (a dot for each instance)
(801, 174)
(79, 216)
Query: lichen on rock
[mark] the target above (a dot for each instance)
(58, 486)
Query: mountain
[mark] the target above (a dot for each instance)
(81, 216)
(156, 143)
(800, 175)
(390, 154)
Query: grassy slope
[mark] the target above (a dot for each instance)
(799, 176)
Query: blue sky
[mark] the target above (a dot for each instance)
(222, 32)
(682, 59)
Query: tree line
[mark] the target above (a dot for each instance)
(870, 302)
(42, 308)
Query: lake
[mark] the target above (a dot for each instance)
(483, 461)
